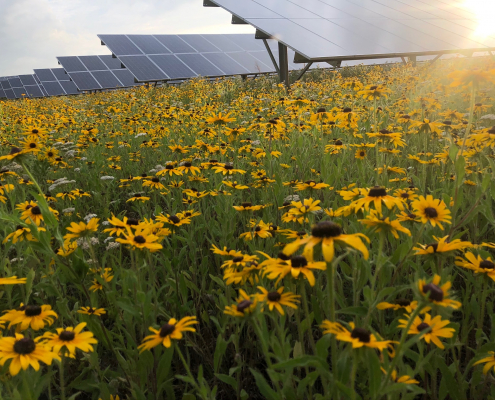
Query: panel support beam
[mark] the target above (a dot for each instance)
(271, 56)
(238, 21)
(308, 65)
(283, 64)
(403, 60)
(261, 35)
(209, 3)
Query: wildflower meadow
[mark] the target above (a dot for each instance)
(233, 239)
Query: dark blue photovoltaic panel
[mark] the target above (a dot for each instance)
(15, 83)
(199, 43)
(71, 64)
(69, 87)
(5, 84)
(227, 64)
(148, 44)
(250, 63)
(200, 65)
(2, 94)
(111, 62)
(143, 68)
(120, 45)
(223, 43)
(53, 88)
(106, 79)
(173, 67)
(20, 93)
(60, 74)
(45, 75)
(174, 43)
(84, 81)
(9, 93)
(246, 42)
(34, 91)
(92, 63)
(27, 80)
(125, 76)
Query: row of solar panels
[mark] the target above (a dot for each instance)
(154, 58)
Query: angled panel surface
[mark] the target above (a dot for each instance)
(173, 67)
(53, 88)
(106, 79)
(92, 63)
(34, 91)
(27, 80)
(72, 64)
(111, 62)
(125, 77)
(228, 65)
(148, 44)
(9, 93)
(143, 68)
(69, 87)
(2, 94)
(15, 82)
(199, 43)
(20, 92)
(120, 45)
(85, 81)
(60, 74)
(45, 75)
(174, 43)
(200, 65)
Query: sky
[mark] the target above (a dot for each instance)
(34, 32)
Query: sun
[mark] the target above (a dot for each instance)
(484, 11)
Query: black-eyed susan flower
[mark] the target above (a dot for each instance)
(436, 294)
(15, 152)
(431, 329)
(106, 276)
(378, 224)
(406, 379)
(82, 229)
(359, 337)
(244, 306)
(310, 185)
(376, 195)
(154, 183)
(174, 220)
(31, 316)
(138, 197)
(32, 213)
(477, 264)
(173, 329)
(431, 210)
(24, 352)
(488, 361)
(92, 311)
(277, 298)
(12, 280)
(67, 248)
(141, 239)
(170, 170)
(328, 233)
(227, 169)
(70, 339)
(401, 304)
(119, 227)
(296, 266)
(442, 245)
(21, 233)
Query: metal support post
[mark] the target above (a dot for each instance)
(308, 65)
(283, 64)
(412, 59)
(271, 55)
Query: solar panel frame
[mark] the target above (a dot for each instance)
(302, 27)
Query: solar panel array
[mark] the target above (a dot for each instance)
(55, 81)
(152, 58)
(96, 72)
(324, 30)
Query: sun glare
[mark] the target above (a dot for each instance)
(484, 11)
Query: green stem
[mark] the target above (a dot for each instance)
(62, 380)
(186, 366)
(302, 285)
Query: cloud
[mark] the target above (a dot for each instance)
(34, 32)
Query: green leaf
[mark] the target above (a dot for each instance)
(164, 364)
(220, 349)
(460, 170)
(353, 311)
(228, 380)
(267, 392)
(375, 374)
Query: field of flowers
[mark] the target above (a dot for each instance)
(232, 240)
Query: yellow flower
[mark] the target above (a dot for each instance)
(431, 210)
(297, 266)
(477, 264)
(70, 339)
(488, 361)
(141, 239)
(278, 299)
(406, 379)
(30, 316)
(12, 280)
(92, 311)
(469, 77)
(173, 329)
(374, 221)
(442, 245)
(81, 229)
(359, 337)
(24, 352)
(435, 325)
(376, 196)
(245, 305)
(438, 294)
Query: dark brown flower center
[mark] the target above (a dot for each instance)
(431, 212)
(132, 221)
(246, 204)
(326, 229)
(373, 87)
(35, 131)
(403, 302)
(274, 296)
(36, 210)
(238, 259)
(338, 143)
(486, 264)
(174, 218)
(422, 326)
(283, 256)
(166, 330)
(347, 110)
(228, 166)
(155, 180)
(32, 311)
(187, 165)
(139, 239)
(32, 145)
(169, 166)
(299, 262)
(361, 334)
(434, 292)
(15, 150)
(243, 305)
(24, 346)
(67, 336)
(377, 191)
(321, 110)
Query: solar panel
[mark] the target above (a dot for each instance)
(5, 84)
(69, 87)
(27, 80)
(45, 75)
(15, 82)
(93, 72)
(177, 57)
(53, 88)
(326, 30)
(10, 94)
(20, 92)
(2, 94)
(34, 91)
